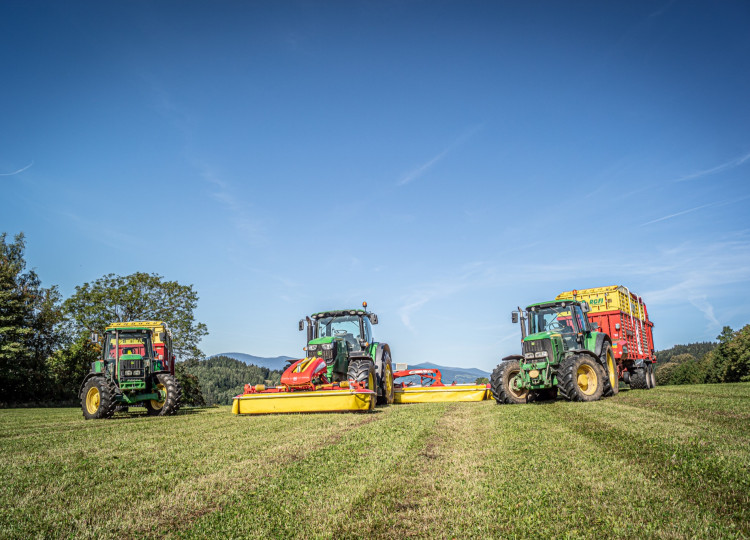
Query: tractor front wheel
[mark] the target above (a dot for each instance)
(167, 384)
(581, 378)
(386, 387)
(505, 381)
(612, 380)
(362, 370)
(98, 399)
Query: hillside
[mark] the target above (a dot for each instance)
(221, 377)
(673, 462)
(276, 363)
(450, 374)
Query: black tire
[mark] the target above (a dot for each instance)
(581, 378)
(650, 376)
(171, 403)
(98, 398)
(362, 370)
(386, 383)
(639, 379)
(504, 383)
(547, 394)
(611, 381)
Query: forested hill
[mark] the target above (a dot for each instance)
(697, 350)
(221, 378)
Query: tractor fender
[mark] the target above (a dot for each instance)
(588, 353)
(512, 357)
(601, 339)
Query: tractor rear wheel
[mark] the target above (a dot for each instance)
(504, 383)
(611, 381)
(362, 370)
(386, 387)
(171, 403)
(98, 398)
(581, 378)
(639, 379)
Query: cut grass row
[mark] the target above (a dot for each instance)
(671, 462)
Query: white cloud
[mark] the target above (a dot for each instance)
(724, 166)
(19, 171)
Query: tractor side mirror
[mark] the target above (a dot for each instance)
(514, 317)
(162, 336)
(301, 325)
(94, 337)
(585, 307)
(374, 319)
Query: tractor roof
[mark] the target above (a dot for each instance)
(551, 303)
(339, 313)
(138, 325)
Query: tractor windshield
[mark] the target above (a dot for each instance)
(127, 343)
(347, 327)
(550, 319)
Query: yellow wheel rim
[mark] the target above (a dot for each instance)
(513, 380)
(159, 404)
(93, 400)
(587, 379)
(371, 382)
(612, 369)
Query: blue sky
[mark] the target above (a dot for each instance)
(445, 161)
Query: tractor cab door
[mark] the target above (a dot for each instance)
(580, 323)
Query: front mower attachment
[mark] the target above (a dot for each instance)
(304, 389)
(431, 389)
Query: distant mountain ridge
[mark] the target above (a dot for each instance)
(449, 374)
(276, 362)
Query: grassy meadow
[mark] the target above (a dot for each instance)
(673, 462)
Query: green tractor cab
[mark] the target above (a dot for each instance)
(344, 339)
(563, 354)
(132, 372)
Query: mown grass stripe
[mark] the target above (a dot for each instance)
(314, 497)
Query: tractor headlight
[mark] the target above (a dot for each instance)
(529, 355)
(128, 373)
(542, 354)
(137, 373)
(327, 346)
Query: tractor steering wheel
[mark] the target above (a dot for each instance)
(555, 325)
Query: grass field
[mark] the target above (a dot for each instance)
(668, 463)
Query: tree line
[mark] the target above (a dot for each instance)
(727, 360)
(45, 350)
(221, 377)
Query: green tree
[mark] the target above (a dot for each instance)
(715, 362)
(139, 296)
(191, 388)
(666, 372)
(737, 362)
(482, 380)
(30, 325)
(67, 367)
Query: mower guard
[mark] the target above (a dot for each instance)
(432, 390)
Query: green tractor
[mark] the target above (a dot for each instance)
(344, 339)
(563, 354)
(136, 369)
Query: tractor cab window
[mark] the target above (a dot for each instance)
(127, 343)
(368, 329)
(551, 319)
(346, 327)
(579, 318)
